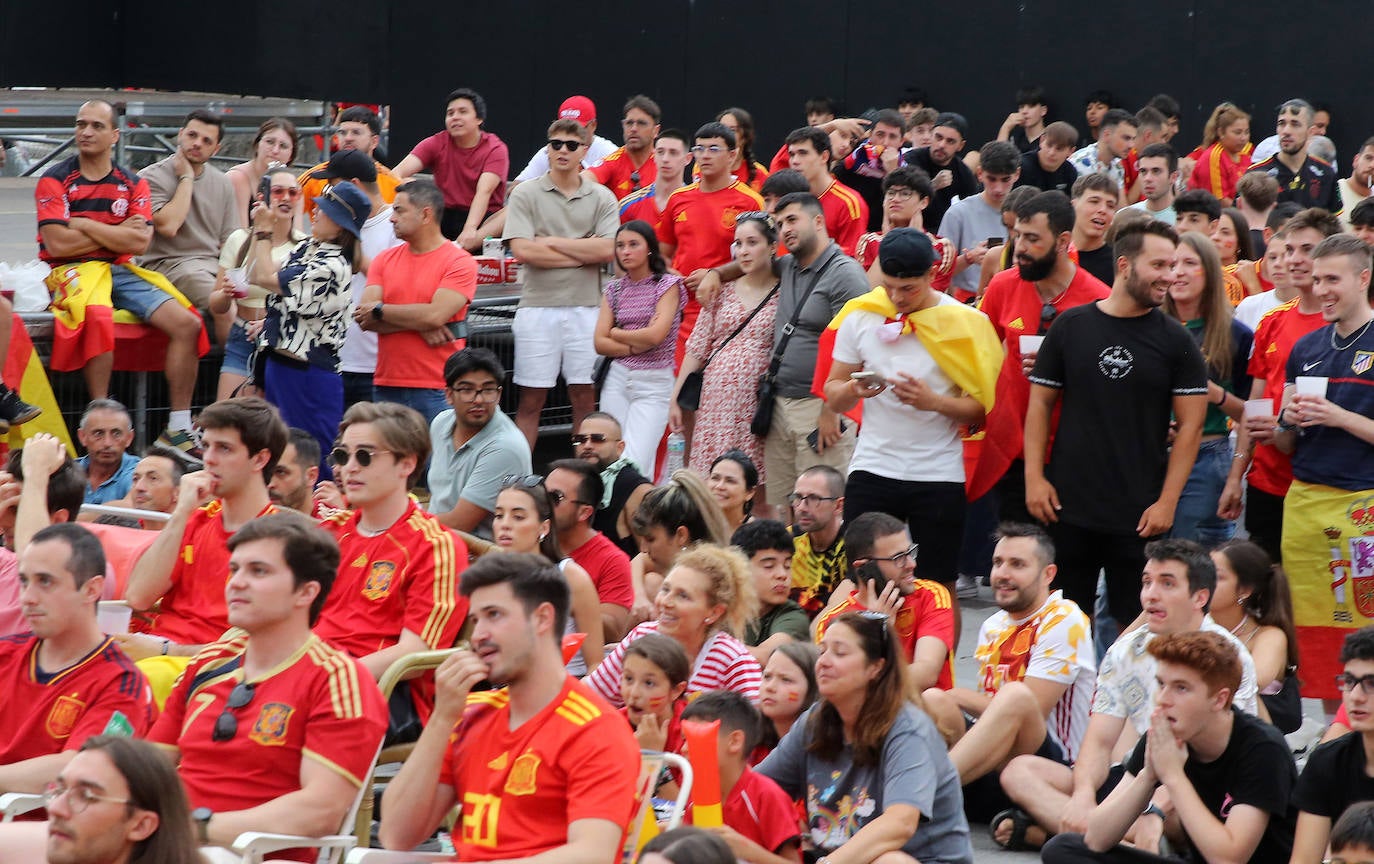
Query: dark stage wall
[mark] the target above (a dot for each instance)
(698, 57)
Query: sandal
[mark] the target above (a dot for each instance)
(1020, 823)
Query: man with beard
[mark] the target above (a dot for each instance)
(1115, 369)
(599, 441)
(293, 480)
(948, 173)
(541, 765)
(1025, 301)
(1302, 178)
(575, 489)
(634, 165)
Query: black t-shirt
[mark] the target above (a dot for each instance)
(1100, 263)
(1033, 175)
(1313, 185)
(1117, 378)
(1021, 142)
(1334, 778)
(1255, 769)
(626, 482)
(965, 185)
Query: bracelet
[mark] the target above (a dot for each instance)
(1222, 400)
(186, 177)
(166, 644)
(1240, 456)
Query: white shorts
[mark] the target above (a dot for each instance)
(550, 338)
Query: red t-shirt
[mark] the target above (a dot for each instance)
(457, 169)
(925, 612)
(609, 568)
(1278, 331)
(616, 172)
(52, 712)
(673, 741)
(640, 205)
(1015, 308)
(866, 250)
(62, 193)
(781, 159)
(193, 610)
(321, 705)
(846, 215)
(521, 788)
(758, 809)
(404, 359)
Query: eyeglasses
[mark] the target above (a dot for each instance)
(909, 552)
(468, 394)
(560, 143)
(1345, 682)
(339, 456)
(628, 121)
(897, 194)
(809, 500)
(1048, 313)
(594, 437)
(227, 724)
(713, 149)
(880, 618)
(289, 192)
(1345, 861)
(78, 797)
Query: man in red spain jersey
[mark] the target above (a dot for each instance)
(846, 212)
(698, 223)
(632, 166)
(397, 590)
(64, 680)
(272, 729)
(187, 564)
(541, 765)
(1271, 473)
(883, 578)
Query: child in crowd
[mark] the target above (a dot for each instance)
(652, 683)
(761, 823)
(789, 688)
(1352, 838)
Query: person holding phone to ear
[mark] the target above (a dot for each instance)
(882, 578)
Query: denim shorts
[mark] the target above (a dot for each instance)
(238, 352)
(132, 292)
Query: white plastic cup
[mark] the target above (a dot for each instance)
(1031, 344)
(113, 617)
(1259, 407)
(1311, 385)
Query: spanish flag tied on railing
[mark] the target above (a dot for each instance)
(24, 373)
(960, 339)
(83, 317)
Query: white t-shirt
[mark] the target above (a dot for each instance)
(1256, 306)
(1126, 684)
(897, 441)
(538, 165)
(359, 352)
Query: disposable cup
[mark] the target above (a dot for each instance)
(113, 617)
(1311, 385)
(1259, 407)
(1031, 344)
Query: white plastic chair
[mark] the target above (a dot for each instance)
(14, 804)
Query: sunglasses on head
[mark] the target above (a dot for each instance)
(879, 618)
(560, 143)
(339, 456)
(227, 725)
(754, 216)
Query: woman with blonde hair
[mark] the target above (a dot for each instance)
(1224, 153)
(1197, 298)
(704, 602)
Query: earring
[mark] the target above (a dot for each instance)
(541, 537)
(1240, 601)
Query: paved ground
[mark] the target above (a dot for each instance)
(18, 229)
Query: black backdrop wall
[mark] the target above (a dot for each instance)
(696, 57)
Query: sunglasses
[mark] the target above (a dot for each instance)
(291, 193)
(881, 619)
(594, 437)
(754, 216)
(334, 196)
(634, 178)
(339, 456)
(559, 144)
(522, 481)
(227, 725)
(1048, 313)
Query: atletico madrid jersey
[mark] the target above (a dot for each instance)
(49, 712)
(521, 788)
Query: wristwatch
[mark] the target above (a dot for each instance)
(1153, 810)
(1284, 426)
(377, 312)
(201, 816)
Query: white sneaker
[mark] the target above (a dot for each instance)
(966, 587)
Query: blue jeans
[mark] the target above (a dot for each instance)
(1196, 516)
(428, 402)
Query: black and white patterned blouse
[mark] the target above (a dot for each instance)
(310, 317)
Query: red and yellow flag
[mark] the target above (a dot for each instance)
(24, 373)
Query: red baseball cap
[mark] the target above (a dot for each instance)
(578, 108)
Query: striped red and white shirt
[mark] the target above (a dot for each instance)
(724, 663)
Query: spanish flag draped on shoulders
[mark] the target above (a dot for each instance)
(958, 338)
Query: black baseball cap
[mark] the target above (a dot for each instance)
(906, 253)
(348, 165)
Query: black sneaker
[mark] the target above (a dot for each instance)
(16, 411)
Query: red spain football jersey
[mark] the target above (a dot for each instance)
(619, 173)
(702, 224)
(925, 612)
(1278, 331)
(846, 215)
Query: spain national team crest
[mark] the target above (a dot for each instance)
(63, 715)
(729, 215)
(1362, 362)
(269, 729)
(379, 580)
(524, 775)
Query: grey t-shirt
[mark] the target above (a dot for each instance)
(968, 223)
(842, 797)
(841, 279)
(209, 222)
(538, 209)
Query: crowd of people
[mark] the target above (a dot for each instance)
(1117, 381)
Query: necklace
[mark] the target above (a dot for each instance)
(1353, 339)
(1236, 630)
